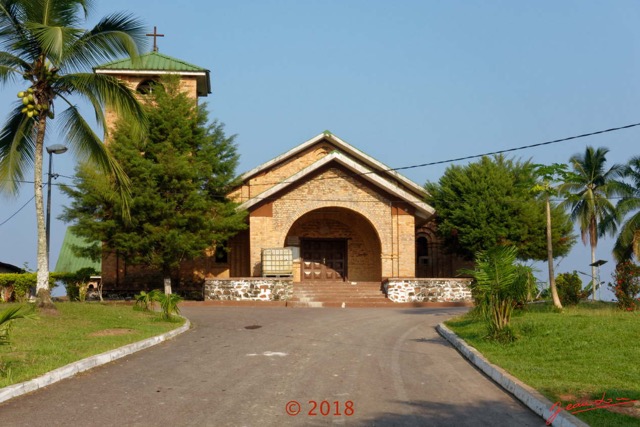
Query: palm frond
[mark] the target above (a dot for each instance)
(17, 147)
(11, 16)
(10, 66)
(15, 312)
(52, 41)
(628, 240)
(115, 36)
(111, 93)
(86, 144)
(56, 12)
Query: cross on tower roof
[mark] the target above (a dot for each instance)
(155, 36)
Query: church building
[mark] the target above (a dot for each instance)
(324, 211)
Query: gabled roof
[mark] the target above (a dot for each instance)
(423, 210)
(155, 63)
(375, 165)
(68, 261)
(4, 267)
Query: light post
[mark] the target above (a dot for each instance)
(52, 149)
(597, 265)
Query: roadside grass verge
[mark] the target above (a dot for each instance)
(75, 331)
(582, 353)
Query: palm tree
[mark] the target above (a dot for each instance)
(628, 241)
(588, 191)
(548, 176)
(41, 43)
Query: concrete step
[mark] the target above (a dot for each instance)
(338, 294)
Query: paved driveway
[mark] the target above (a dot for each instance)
(241, 366)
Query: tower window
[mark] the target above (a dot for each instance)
(146, 87)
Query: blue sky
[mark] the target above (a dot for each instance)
(408, 82)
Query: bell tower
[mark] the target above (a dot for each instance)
(149, 68)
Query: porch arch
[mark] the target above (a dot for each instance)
(361, 239)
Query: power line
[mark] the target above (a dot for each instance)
(16, 212)
(474, 156)
(508, 150)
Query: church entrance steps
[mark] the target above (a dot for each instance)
(338, 294)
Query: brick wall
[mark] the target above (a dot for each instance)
(382, 237)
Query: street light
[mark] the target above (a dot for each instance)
(52, 149)
(597, 265)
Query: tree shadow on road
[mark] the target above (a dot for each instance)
(483, 413)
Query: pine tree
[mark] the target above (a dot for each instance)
(179, 177)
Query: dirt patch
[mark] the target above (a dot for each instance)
(111, 332)
(631, 409)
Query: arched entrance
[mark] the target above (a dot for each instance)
(336, 244)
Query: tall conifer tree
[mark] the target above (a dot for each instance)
(179, 177)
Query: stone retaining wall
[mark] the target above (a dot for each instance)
(428, 290)
(248, 289)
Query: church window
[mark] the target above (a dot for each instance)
(222, 253)
(146, 87)
(422, 250)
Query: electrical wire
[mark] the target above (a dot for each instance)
(16, 212)
(475, 156)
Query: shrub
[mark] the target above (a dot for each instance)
(169, 304)
(6, 318)
(76, 283)
(499, 284)
(145, 300)
(569, 288)
(21, 284)
(626, 285)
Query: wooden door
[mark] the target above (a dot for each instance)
(324, 259)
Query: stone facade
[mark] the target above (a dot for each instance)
(248, 289)
(428, 290)
(381, 241)
(327, 189)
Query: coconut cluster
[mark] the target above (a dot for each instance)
(31, 106)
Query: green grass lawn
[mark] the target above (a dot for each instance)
(76, 331)
(583, 352)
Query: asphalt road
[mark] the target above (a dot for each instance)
(241, 366)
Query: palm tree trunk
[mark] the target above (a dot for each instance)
(593, 273)
(552, 278)
(43, 295)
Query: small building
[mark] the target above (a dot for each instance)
(8, 268)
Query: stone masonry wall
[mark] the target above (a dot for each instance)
(428, 290)
(248, 289)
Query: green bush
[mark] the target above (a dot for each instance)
(498, 286)
(76, 283)
(626, 285)
(569, 288)
(168, 303)
(21, 283)
(10, 314)
(145, 300)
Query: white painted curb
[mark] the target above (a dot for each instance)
(527, 395)
(74, 368)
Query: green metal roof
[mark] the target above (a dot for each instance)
(68, 262)
(158, 63)
(151, 61)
